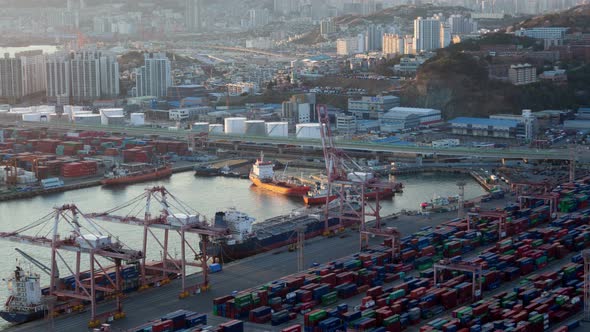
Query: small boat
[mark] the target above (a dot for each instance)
(206, 171)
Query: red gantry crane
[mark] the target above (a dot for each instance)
(351, 184)
(173, 216)
(67, 229)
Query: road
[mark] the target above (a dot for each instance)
(513, 153)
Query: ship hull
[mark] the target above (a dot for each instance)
(21, 317)
(289, 190)
(230, 252)
(159, 174)
(317, 200)
(383, 193)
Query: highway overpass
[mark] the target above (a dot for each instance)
(582, 154)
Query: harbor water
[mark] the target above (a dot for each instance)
(205, 195)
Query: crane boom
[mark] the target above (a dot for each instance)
(35, 262)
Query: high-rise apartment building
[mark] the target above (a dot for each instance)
(154, 77)
(194, 15)
(258, 17)
(10, 78)
(327, 26)
(373, 38)
(33, 71)
(286, 6)
(82, 76)
(346, 46)
(460, 24)
(430, 34)
(394, 44)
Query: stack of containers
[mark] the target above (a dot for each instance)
(82, 168)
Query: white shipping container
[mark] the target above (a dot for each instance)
(235, 126)
(308, 131)
(277, 129)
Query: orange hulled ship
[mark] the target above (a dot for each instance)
(262, 175)
(129, 174)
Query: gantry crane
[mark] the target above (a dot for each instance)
(501, 216)
(474, 269)
(168, 220)
(546, 198)
(83, 236)
(347, 180)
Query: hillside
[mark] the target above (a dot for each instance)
(576, 18)
(457, 83)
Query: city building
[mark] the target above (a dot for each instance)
(396, 122)
(299, 109)
(33, 72)
(82, 76)
(430, 34)
(555, 76)
(393, 44)
(485, 127)
(237, 89)
(345, 124)
(425, 116)
(445, 143)
(327, 27)
(371, 107)
(153, 78)
(373, 38)
(551, 36)
(194, 15)
(409, 66)
(286, 6)
(11, 78)
(258, 17)
(346, 46)
(460, 25)
(522, 74)
(184, 91)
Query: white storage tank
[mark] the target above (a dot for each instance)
(200, 127)
(215, 129)
(255, 128)
(137, 119)
(235, 126)
(106, 112)
(308, 131)
(87, 119)
(116, 120)
(277, 129)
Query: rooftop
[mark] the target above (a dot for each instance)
(414, 110)
(484, 122)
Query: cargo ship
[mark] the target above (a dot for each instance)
(262, 175)
(441, 204)
(134, 173)
(318, 196)
(24, 303)
(250, 237)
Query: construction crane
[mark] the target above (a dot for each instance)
(83, 236)
(474, 269)
(347, 180)
(173, 216)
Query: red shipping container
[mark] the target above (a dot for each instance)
(166, 325)
(294, 328)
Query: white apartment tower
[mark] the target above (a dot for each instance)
(154, 77)
(10, 77)
(33, 72)
(430, 34)
(194, 15)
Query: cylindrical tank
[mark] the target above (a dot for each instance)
(87, 119)
(200, 127)
(277, 129)
(116, 120)
(137, 119)
(255, 128)
(235, 126)
(308, 130)
(215, 129)
(106, 112)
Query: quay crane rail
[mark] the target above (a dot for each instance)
(184, 221)
(345, 179)
(83, 236)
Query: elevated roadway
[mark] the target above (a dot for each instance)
(508, 153)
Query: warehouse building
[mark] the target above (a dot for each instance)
(396, 122)
(426, 116)
(485, 127)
